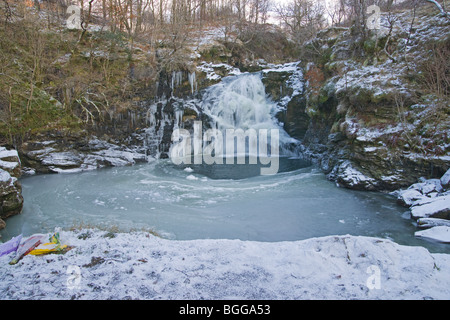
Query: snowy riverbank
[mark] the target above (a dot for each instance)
(141, 266)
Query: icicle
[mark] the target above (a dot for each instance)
(154, 137)
(178, 119)
(172, 86)
(193, 82)
(177, 79)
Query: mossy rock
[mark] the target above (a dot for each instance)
(275, 84)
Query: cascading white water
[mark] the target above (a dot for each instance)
(237, 102)
(241, 103)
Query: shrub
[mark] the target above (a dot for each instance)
(436, 70)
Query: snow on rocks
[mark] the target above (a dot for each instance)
(428, 186)
(141, 266)
(426, 199)
(433, 207)
(347, 175)
(353, 128)
(439, 233)
(432, 222)
(62, 159)
(10, 161)
(11, 200)
(291, 67)
(429, 203)
(95, 154)
(9, 155)
(294, 81)
(420, 193)
(372, 79)
(212, 70)
(445, 180)
(5, 177)
(408, 197)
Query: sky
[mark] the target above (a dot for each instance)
(273, 18)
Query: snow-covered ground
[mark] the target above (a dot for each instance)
(138, 265)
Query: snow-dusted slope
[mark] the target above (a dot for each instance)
(141, 266)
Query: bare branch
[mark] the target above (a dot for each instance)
(440, 8)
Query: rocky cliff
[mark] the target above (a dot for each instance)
(375, 120)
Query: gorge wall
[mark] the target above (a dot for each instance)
(359, 106)
(368, 115)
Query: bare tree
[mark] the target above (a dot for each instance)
(336, 12)
(302, 18)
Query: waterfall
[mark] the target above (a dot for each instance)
(241, 103)
(237, 102)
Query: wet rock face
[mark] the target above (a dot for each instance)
(284, 85)
(296, 120)
(11, 200)
(276, 84)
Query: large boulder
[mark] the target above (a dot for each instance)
(348, 175)
(438, 233)
(437, 207)
(420, 193)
